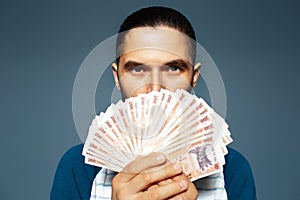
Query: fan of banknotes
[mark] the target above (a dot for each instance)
(179, 124)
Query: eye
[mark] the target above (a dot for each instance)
(174, 68)
(137, 70)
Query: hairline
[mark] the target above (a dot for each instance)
(122, 36)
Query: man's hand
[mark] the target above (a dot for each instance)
(136, 179)
(190, 193)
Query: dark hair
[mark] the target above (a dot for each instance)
(157, 16)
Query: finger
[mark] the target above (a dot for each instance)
(145, 179)
(152, 187)
(186, 195)
(190, 193)
(179, 177)
(177, 197)
(164, 192)
(140, 164)
(166, 181)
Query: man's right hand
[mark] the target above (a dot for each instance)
(144, 172)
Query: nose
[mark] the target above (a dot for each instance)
(156, 87)
(155, 82)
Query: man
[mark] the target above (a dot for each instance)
(156, 49)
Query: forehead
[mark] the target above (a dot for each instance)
(163, 40)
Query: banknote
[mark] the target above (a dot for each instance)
(178, 124)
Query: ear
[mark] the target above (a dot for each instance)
(115, 73)
(196, 74)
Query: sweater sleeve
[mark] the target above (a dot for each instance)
(239, 181)
(73, 178)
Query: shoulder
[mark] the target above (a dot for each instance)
(74, 160)
(235, 160)
(73, 178)
(239, 181)
(73, 155)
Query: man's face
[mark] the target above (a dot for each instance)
(154, 58)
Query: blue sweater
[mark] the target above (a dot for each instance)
(73, 179)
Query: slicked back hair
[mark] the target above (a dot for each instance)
(154, 17)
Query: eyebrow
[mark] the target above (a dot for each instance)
(178, 62)
(130, 64)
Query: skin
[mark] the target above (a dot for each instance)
(151, 61)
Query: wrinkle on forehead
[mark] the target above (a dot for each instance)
(162, 38)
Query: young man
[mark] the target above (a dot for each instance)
(156, 49)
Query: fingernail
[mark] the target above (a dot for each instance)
(160, 157)
(178, 198)
(182, 184)
(177, 167)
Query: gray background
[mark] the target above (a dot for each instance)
(255, 45)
